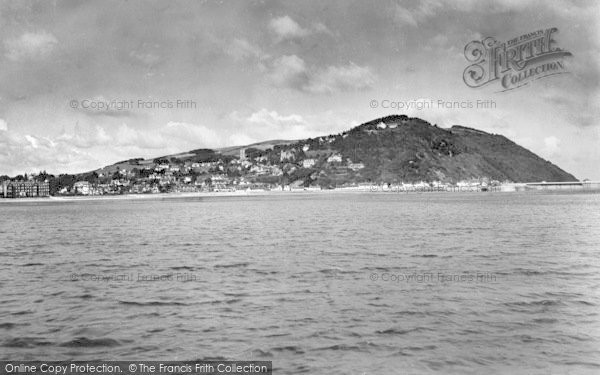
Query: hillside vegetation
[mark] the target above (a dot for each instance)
(393, 149)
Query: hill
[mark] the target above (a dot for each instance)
(235, 150)
(391, 149)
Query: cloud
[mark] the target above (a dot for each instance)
(275, 120)
(578, 105)
(127, 136)
(145, 58)
(341, 78)
(405, 16)
(83, 140)
(240, 140)
(413, 17)
(265, 125)
(241, 49)
(289, 71)
(286, 28)
(30, 46)
(173, 136)
(3, 125)
(321, 28)
(33, 141)
(292, 72)
(190, 134)
(28, 153)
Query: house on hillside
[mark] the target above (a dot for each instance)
(334, 158)
(355, 166)
(308, 163)
(287, 155)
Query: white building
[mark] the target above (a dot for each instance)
(287, 155)
(356, 166)
(334, 158)
(308, 163)
(82, 187)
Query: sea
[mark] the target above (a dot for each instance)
(339, 283)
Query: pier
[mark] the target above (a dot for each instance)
(569, 185)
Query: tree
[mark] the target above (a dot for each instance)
(66, 181)
(92, 178)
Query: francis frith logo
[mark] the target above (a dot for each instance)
(516, 62)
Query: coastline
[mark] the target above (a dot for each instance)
(254, 193)
(165, 196)
(238, 193)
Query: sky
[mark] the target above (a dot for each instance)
(84, 84)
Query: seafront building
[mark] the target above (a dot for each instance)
(24, 189)
(82, 187)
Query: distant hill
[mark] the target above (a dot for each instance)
(389, 149)
(235, 150)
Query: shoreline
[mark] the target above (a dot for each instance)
(165, 196)
(254, 193)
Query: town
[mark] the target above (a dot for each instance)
(252, 170)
